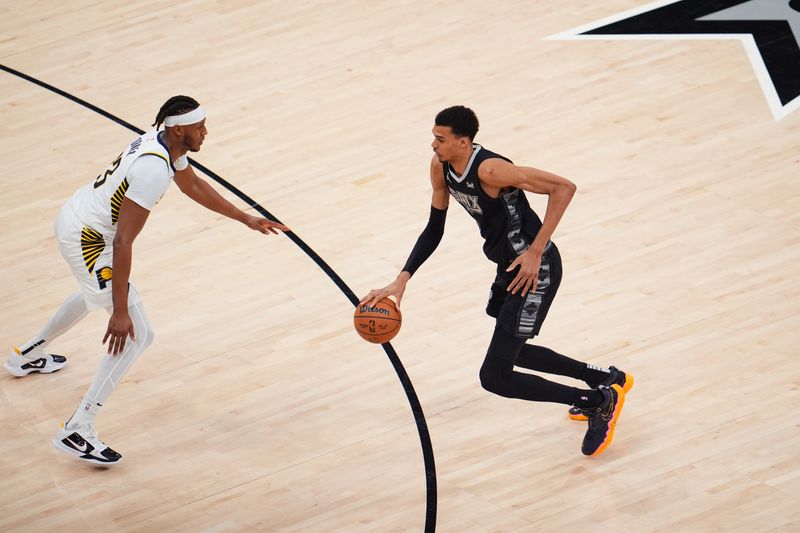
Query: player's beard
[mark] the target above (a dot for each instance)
(190, 147)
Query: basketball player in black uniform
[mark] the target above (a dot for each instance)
(492, 190)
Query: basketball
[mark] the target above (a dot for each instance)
(378, 323)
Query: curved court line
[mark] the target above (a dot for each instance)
(413, 400)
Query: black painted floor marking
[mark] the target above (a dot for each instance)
(413, 400)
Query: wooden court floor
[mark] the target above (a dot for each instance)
(258, 408)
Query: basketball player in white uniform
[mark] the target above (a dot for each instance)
(95, 230)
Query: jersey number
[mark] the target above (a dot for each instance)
(101, 178)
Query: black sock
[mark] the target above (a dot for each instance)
(587, 399)
(594, 375)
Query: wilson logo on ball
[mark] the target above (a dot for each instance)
(369, 309)
(378, 323)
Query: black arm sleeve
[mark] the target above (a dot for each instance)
(428, 240)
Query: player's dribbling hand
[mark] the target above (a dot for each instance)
(264, 225)
(120, 326)
(395, 288)
(528, 276)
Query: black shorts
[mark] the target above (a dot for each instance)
(523, 316)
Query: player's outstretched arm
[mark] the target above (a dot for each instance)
(427, 242)
(497, 174)
(204, 194)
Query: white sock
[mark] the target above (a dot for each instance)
(69, 314)
(113, 368)
(83, 415)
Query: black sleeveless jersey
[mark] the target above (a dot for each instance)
(507, 223)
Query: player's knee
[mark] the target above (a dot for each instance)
(142, 328)
(494, 379)
(149, 337)
(144, 335)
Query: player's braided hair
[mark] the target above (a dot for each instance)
(177, 105)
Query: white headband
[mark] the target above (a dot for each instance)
(192, 117)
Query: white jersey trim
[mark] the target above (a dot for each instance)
(475, 149)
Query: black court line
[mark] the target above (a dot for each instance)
(413, 400)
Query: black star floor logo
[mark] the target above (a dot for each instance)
(768, 29)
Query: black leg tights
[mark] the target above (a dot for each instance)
(546, 360)
(498, 375)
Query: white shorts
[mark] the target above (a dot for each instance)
(89, 257)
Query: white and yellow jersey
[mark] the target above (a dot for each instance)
(141, 173)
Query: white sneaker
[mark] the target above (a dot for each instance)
(45, 363)
(82, 442)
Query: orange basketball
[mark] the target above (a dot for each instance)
(378, 323)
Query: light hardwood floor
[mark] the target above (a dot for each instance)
(259, 408)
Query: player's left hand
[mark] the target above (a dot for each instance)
(528, 276)
(264, 225)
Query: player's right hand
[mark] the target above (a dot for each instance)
(120, 326)
(264, 225)
(395, 288)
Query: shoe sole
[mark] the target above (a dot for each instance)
(58, 445)
(628, 383)
(628, 386)
(614, 419)
(20, 373)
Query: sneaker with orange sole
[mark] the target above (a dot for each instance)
(617, 376)
(603, 421)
